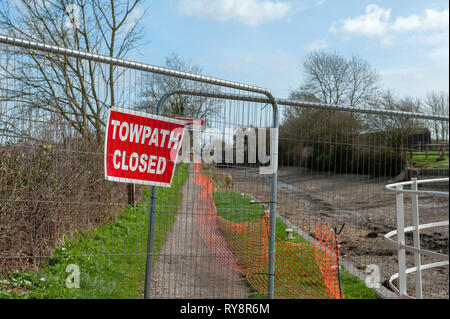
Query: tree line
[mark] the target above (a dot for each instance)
(81, 92)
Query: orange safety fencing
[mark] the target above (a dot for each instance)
(302, 270)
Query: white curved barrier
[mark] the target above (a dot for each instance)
(402, 248)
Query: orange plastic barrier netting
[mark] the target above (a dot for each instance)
(302, 270)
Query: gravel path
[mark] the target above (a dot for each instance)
(186, 267)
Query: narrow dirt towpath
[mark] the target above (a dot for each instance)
(186, 267)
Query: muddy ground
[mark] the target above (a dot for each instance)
(364, 205)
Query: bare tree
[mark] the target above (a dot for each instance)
(393, 130)
(71, 87)
(294, 112)
(79, 91)
(334, 79)
(155, 86)
(437, 103)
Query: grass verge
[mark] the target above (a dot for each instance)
(238, 208)
(110, 259)
(431, 161)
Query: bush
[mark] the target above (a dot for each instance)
(48, 192)
(379, 163)
(345, 159)
(336, 158)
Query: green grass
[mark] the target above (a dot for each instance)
(111, 258)
(236, 208)
(420, 160)
(354, 288)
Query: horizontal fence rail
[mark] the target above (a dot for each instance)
(210, 80)
(295, 103)
(129, 64)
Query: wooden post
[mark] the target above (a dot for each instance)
(131, 189)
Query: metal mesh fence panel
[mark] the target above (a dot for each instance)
(334, 165)
(55, 205)
(65, 232)
(199, 259)
(239, 236)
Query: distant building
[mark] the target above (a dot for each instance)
(419, 137)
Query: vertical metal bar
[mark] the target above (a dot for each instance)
(131, 192)
(272, 229)
(401, 240)
(151, 224)
(273, 200)
(416, 239)
(150, 242)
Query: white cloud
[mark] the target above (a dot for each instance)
(376, 23)
(317, 45)
(320, 2)
(302, 5)
(249, 12)
(372, 23)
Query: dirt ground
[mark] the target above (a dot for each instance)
(367, 209)
(186, 267)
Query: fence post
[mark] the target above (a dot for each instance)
(272, 230)
(273, 202)
(131, 191)
(401, 241)
(150, 242)
(151, 223)
(416, 239)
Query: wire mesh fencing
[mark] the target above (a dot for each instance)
(55, 203)
(65, 232)
(334, 164)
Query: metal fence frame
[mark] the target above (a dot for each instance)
(271, 272)
(269, 98)
(402, 248)
(183, 75)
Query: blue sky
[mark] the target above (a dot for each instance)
(263, 42)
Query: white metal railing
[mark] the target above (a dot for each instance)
(402, 248)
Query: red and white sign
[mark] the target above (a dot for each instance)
(141, 148)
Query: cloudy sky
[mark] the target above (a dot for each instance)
(263, 42)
